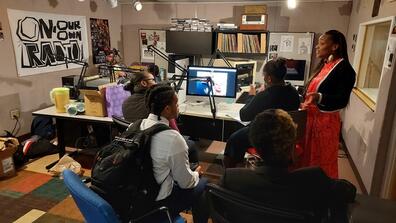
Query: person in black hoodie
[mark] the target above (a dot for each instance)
(277, 94)
(273, 134)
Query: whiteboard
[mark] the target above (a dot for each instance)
(296, 46)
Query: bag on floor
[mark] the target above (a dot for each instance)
(123, 172)
(44, 127)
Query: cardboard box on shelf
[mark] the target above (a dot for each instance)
(7, 150)
(95, 103)
(255, 9)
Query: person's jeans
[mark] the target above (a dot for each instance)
(237, 144)
(184, 199)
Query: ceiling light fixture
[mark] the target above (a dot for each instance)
(112, 3)
(137, 5)
(291, 4)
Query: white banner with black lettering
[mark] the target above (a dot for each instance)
(45, 42)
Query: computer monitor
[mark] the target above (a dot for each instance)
(295, 73)
(224, 81)
(246, 71)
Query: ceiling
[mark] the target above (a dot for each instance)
(239, 1)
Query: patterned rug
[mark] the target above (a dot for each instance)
(36, 197)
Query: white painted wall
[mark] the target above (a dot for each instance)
(31, 93)
(363, 128)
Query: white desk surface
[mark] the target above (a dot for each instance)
(50, 111)
(225, 111)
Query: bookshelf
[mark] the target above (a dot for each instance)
(242, 43)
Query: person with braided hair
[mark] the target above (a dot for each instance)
(135, 108)
(327, 92)
(181, 187)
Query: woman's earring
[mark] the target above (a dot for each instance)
(330, 58)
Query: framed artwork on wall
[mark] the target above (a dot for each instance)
(150, 37)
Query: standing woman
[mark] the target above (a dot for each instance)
(327, 93)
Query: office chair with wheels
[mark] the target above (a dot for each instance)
(230, 207)
(97, 210)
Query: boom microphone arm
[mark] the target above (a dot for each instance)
(206, 79)
(218, 53)
(165, 57)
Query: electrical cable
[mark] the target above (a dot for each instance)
(16, 123)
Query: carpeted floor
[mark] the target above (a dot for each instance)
(33, 195)
(34, 192)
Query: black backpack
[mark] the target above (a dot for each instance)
(44, 127)
(123, 175)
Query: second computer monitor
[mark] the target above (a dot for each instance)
(295, 72)
(224, 80)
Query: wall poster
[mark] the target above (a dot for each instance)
(150, 37)
(43, 41)
(286, 43)
(100, 37)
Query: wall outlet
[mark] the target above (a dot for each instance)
(15, 114)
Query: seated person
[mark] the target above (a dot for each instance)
(277, 94)
(154, 70)
(181, 187)
(273, 133)
(134, 107)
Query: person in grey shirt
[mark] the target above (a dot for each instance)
(133, 107)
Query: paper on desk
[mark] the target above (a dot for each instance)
(236, 117)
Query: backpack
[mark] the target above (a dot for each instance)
(44, 127)
(123, 174)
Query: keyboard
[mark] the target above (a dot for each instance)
(243, 98)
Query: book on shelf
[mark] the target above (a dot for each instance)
(242, 43)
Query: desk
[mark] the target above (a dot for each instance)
(61, 118)
(197, 121)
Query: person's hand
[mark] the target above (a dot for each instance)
(312, 98)
(261, 88)
(252, 90)
(199, 170)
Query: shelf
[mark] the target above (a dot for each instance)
(246, 55)
(242, 42)
(240, 31)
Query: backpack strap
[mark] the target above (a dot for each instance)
(134, 127)
(156, 129)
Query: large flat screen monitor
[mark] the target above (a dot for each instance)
(225, 81)
(295, 73)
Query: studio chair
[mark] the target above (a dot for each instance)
(92, 206)
(97, 210)
(229, 207)
(120, 123)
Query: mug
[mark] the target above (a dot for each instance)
(71, 109)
